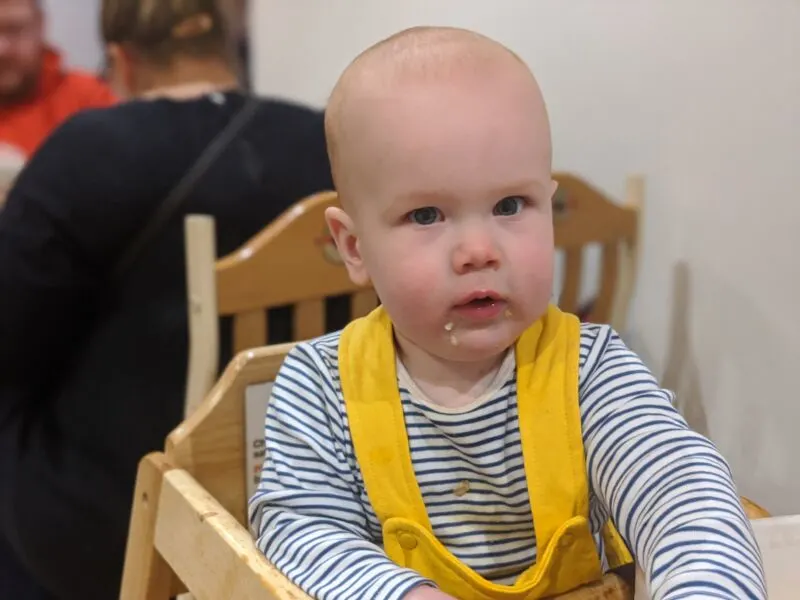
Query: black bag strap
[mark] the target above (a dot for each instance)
(187, 183)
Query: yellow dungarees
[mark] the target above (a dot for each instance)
(547, 362)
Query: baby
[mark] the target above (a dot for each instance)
(467, 439)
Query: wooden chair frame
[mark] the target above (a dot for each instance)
(584, 216)
(188, 525)
(295, 250)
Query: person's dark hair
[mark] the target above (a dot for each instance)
(161, 29)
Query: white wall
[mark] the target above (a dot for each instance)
(701, 97)
(73, 26)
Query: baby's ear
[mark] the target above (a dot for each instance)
(343, 232)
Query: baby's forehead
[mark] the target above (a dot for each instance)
(428, 61)
(428, 56)
(431, 59)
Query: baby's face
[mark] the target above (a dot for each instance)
(453, 212)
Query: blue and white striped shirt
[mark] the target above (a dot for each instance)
(667, 488)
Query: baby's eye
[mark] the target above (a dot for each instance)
(509, 206)
(425, 216)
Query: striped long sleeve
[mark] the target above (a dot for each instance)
(307, 514)
(667, 488)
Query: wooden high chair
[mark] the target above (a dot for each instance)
(188, 525)
(292, 261)
(583, 217)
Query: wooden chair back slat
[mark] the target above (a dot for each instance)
(249, 330)
(609, 270)
(291, 260)
(584, 218)
(362, 303)
(203, 365)
(588, 216)
(573, 269)
(309, 319)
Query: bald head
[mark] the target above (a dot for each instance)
(420, 57)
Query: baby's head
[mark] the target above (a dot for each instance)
(440, 148)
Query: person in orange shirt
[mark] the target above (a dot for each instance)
(37, 92)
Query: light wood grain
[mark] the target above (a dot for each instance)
(753, 510)
(146, 575)
(291, 260)
(201, 285)
(214, 554)
(309, 319)
(573, 269)
(210, 444)
(604, 302)
(249, 330)
(589, 218)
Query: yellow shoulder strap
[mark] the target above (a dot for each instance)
(549, 421)
(368, 375)
(548, 363)
(547, 356)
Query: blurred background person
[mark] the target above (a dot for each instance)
(93, 362)
(37, 91)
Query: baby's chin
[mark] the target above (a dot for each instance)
(476, 345)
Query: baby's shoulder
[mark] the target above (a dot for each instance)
(308, 382)
(595, 339)
(324, 349)
(603, 354)
(317, 359)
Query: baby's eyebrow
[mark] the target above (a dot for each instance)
(535, 186)
(425, 197)
(408, 201)
(417, 198)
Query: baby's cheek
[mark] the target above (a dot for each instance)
(411, 292)
(534, 280)
(415, 287)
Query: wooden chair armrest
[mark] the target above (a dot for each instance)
(753, 510)
(209, 550)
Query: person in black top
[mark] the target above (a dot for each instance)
(93, 366)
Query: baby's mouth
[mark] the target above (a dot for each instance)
(486, 301)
